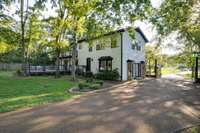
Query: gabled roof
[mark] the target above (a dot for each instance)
(142, 34)
(119, 31)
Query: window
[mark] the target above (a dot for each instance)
(109, 65)
(80, 46)
(90, 48)
(102, 65)
(134, 45)
(138, 48)
(113, 42)
(100, 46)
(105, 63)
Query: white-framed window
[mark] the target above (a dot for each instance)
(80, 46)
(100, 47)
(139, 48)
(90, 48)
(136, 45)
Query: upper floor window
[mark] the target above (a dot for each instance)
(100, 46)
(139, 48)
(136, 45)
(113, 42)
(90, 48)
(80, 46)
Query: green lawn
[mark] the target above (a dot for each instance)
(21, 92)
(166, 71)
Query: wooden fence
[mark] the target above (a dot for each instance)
(10, 66)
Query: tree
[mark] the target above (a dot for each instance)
(25, 13)
(152, 53)
(181, 17)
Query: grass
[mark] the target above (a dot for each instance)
(192, 130)
(166, 71)
(22, 92)
(187, 76)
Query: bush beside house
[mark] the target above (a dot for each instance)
(90, 84)
(108, 75)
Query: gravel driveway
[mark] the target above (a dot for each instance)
(148, 106)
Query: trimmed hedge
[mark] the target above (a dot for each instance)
(90, 84)
(108, 75)
(83, 85)
(95, 86)
(99, 82)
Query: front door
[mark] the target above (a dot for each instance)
(130, 70)
(88, 65)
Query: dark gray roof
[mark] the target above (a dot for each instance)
(119, 31)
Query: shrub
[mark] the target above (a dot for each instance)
(100, 82)
(83, 85)
(89, 74)
(18, 72)
(90, 80)
(95, 86)
(108, 75)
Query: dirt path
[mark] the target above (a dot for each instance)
(149, 106)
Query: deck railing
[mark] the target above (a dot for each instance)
(51, 69)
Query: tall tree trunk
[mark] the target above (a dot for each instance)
(57, 62)
(74, 54)
(23, 38)
(149, 66)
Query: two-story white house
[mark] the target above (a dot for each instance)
(114, 50)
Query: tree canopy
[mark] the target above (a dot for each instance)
(181, 17)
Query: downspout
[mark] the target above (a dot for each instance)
(121, 33)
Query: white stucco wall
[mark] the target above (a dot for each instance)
(129, 53)
(115, 53)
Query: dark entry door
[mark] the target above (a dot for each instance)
(130, 70)
(88, 65)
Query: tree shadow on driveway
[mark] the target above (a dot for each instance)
(147, 106)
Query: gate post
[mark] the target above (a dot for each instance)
(196, 70)
(155, 69)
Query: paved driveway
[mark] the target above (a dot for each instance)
(149, 106)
